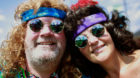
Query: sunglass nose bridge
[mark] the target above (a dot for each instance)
(55, 26)
(92, 40)
(45, 31)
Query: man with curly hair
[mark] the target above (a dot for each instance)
(36, 46)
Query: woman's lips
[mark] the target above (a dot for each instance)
(98, 49)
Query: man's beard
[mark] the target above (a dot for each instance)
(37, 57)
(41, 62)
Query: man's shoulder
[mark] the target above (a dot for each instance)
(16, 76)
(1, 74)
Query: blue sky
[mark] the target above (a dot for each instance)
(132, 8)
(7, 8)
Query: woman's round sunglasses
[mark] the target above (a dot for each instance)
(36, 25)
(81, 40)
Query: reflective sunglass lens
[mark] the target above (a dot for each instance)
(56, 26)
(98, 30)
(81, 41)
(36, 25)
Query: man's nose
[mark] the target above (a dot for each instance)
(46, 31)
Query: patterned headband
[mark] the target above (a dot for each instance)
(43, 12)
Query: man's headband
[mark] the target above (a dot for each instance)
(43, 12)
(89, 21)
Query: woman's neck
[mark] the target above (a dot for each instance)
(114, 64)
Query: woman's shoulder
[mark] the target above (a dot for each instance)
(136, 53)
(133, 66)
(136, 58)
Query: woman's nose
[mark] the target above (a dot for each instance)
(92, 40)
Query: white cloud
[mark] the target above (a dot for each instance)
(134, 28)
(2, 17)
(136, 15)
(1, 30)
(109, 8)
(116, 1)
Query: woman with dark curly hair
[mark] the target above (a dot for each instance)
(104, 48)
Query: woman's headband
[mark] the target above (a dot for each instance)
(89, 21)
(43, 12)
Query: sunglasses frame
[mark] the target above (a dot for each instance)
(102, 29)
(41, 26)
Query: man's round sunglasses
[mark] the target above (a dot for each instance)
(56, 25)
(81, 40)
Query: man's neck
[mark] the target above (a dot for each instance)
(43, 71)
